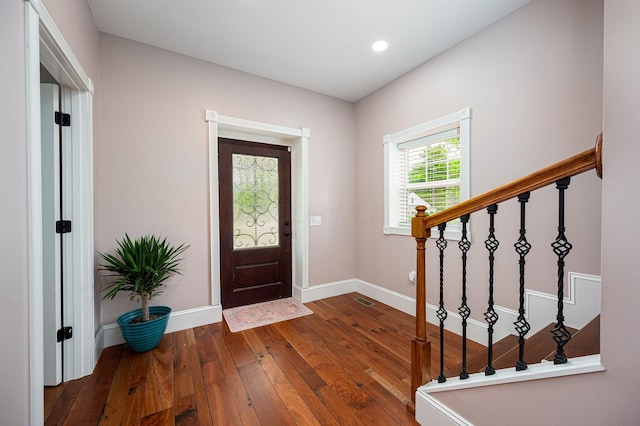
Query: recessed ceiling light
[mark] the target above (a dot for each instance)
(379, 46)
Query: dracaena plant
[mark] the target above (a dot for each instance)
(141, 267)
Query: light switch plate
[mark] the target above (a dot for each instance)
(316, 220)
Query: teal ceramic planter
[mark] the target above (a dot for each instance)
(144, 336)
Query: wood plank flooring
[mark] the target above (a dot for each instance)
(348, 364)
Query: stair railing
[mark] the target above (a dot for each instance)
(421, 225)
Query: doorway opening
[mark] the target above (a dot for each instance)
(297, 139)
(45, 46)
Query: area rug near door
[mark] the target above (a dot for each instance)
(250, 316)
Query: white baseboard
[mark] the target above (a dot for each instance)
(323, 291)
(430, 411)
(540, 307)
(109, 334)
(99, 344)
(396, 300)
(476, 330)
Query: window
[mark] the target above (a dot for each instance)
(426, 165)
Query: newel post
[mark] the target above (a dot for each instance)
(421, 346)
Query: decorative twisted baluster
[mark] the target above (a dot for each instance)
(464, 244)
(561, 247)
(441, 243)
(491, 243)
(522, 248)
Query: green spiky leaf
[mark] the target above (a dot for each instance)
(141, 267)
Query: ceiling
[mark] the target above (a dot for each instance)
(320, 45)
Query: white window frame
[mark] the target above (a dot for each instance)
(392, 152)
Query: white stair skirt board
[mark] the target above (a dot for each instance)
(581, 305)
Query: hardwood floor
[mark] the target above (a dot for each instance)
(348, 364)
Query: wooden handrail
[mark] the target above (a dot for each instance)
(585, 161)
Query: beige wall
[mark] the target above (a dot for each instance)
(534, 83)
(608, 397)
(74, 20)
(153, 158)
(14, 362)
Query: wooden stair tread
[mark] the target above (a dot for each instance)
(538, 347)
(585, 341)
(478, 362)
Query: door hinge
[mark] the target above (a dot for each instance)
(63, 119)
(64, 333)
(63, 226)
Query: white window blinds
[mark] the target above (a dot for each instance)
(428, 174)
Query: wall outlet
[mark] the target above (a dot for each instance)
(316, 220)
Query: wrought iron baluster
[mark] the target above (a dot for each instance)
(561, 247)
(441, 243)
(491, 243)
(522, 248)
(464, 244)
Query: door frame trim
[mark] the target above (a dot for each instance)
(45, 44)
(254, 131)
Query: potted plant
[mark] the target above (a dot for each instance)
(141, 267)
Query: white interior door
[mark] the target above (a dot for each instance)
(51, 213)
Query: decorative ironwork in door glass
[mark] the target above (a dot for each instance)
(255, 201)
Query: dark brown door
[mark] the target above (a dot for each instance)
(255, 222)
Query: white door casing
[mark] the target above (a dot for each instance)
(298, 140)
(45, 44)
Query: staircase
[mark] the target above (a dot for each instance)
(502, 353)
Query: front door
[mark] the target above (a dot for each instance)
(255, 222)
